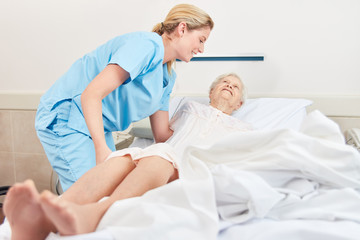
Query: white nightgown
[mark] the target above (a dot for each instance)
(194, 124)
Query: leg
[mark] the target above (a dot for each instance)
(151, 172)
(22, 207)
(100, 181)
(24, 213)
(71, 219)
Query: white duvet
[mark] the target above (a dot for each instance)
(292, 182)
(275, 174)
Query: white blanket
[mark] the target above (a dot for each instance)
(274, 175)
(277, 174)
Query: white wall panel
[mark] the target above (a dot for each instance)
(310, 46)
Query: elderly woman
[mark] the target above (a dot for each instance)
(126, 173)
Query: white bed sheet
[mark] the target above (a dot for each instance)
(269, 184)
(268, 229)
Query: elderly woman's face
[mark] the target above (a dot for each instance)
(228, 88)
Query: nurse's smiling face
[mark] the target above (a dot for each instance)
(191, 42)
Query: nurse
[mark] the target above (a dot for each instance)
(122, 81)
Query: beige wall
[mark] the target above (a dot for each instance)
(21, 154)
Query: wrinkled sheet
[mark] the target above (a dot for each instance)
(267, 229)
(276, 174)
(273, 184)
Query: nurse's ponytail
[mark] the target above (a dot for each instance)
(194, 17)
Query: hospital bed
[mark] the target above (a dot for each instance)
(292, 177)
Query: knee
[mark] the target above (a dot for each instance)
(123, 162)
(158, 165)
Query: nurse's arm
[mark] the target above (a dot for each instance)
(104, 83)
(160, 126)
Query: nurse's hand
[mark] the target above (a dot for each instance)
(102, 154)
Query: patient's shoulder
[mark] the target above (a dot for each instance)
(188, 107)
(193, 106)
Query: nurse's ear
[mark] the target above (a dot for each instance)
(181, 28)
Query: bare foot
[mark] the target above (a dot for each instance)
(70, 218)
(24, 213)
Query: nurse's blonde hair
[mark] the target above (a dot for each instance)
(221, 77)
(194, 17)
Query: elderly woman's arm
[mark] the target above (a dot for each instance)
(160, 126)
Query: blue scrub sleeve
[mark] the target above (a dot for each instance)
(166, 95)
(165, 102)
(134, 56)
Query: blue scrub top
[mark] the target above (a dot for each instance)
(146, 91)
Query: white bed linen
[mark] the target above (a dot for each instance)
(277, 174)
(268, 229)
(309, 175)
(269, 184)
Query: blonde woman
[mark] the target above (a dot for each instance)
(125, 80)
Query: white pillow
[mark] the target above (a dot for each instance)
(261, 113)
(273, 113)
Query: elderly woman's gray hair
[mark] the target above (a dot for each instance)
(221, 77)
